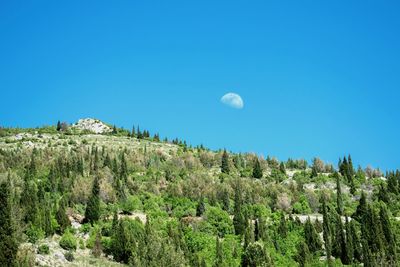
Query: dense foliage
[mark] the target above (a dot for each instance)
(151, 203)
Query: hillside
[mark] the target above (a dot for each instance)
(94, 195)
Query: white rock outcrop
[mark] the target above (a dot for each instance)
(92, 125)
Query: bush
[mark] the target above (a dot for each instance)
(132, 203)
(44, 249)
(69, 256)
(34, 234)
(26, 256)
(68, 241)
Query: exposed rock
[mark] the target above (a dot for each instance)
(92, 125)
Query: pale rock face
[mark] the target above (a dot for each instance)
(93, 125)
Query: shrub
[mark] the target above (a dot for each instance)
(69, 256)
(44, 249)
(26, 256)
(34, 234)
(68, 241)
(131, 204)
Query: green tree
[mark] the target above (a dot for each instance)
(282, 228)
(219, 254)
(260, 229)
(361, 208)
(225, 162)
(389, 236)
(357, 251)
(92, 213)
(255, 255)
(326, 231)
(340, 244)
(133, 131)
(239, 220)
(61, 216)
(311, 237)
(303, 256)
(339, 199)
(200, 208)
(349, 241)
(8, 242)
(257, 171)
(282, 167)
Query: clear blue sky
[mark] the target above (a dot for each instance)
(318, 78)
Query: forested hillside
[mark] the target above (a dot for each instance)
(70, 197)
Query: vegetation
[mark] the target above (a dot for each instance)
(147, 202)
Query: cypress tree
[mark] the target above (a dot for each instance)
(282, 228)
(61, 216)
(124, 168)
(8, 242)
(257, 171)
(92, 213)
(340, 244)
(326, 231)
(200, 208)
(282, 168)
(256, 255)
(383, 194)
(314, 171)
(133, 131)
(350, 167)
(361, 208)
(58, 126)
(311, 237)
(47, 225)
(388, 235)
(339, 199)
(349, 241)
(357, 251)
(29, 200)
(260, 233)
(219, 254)
(303, 254)
(343, 167)
(238, 216)
(225, 162)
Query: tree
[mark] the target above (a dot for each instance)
(219, 254)
(92, 213)
(260, 230)
(339, 199)
(200, 208)
(340, 244)
(8, 242)
(389, 236)
(255, 255)
(303, 254)
(133, 131)
(311, 237)
(225, 162)
(352, 233)
(361, 208)
(61, 216)
(326, 231)
(239, 221)
(282, 168)
(282, 228)
(97, 247)
(257, 171)
(58, 126)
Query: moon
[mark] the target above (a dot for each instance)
(233, 100)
